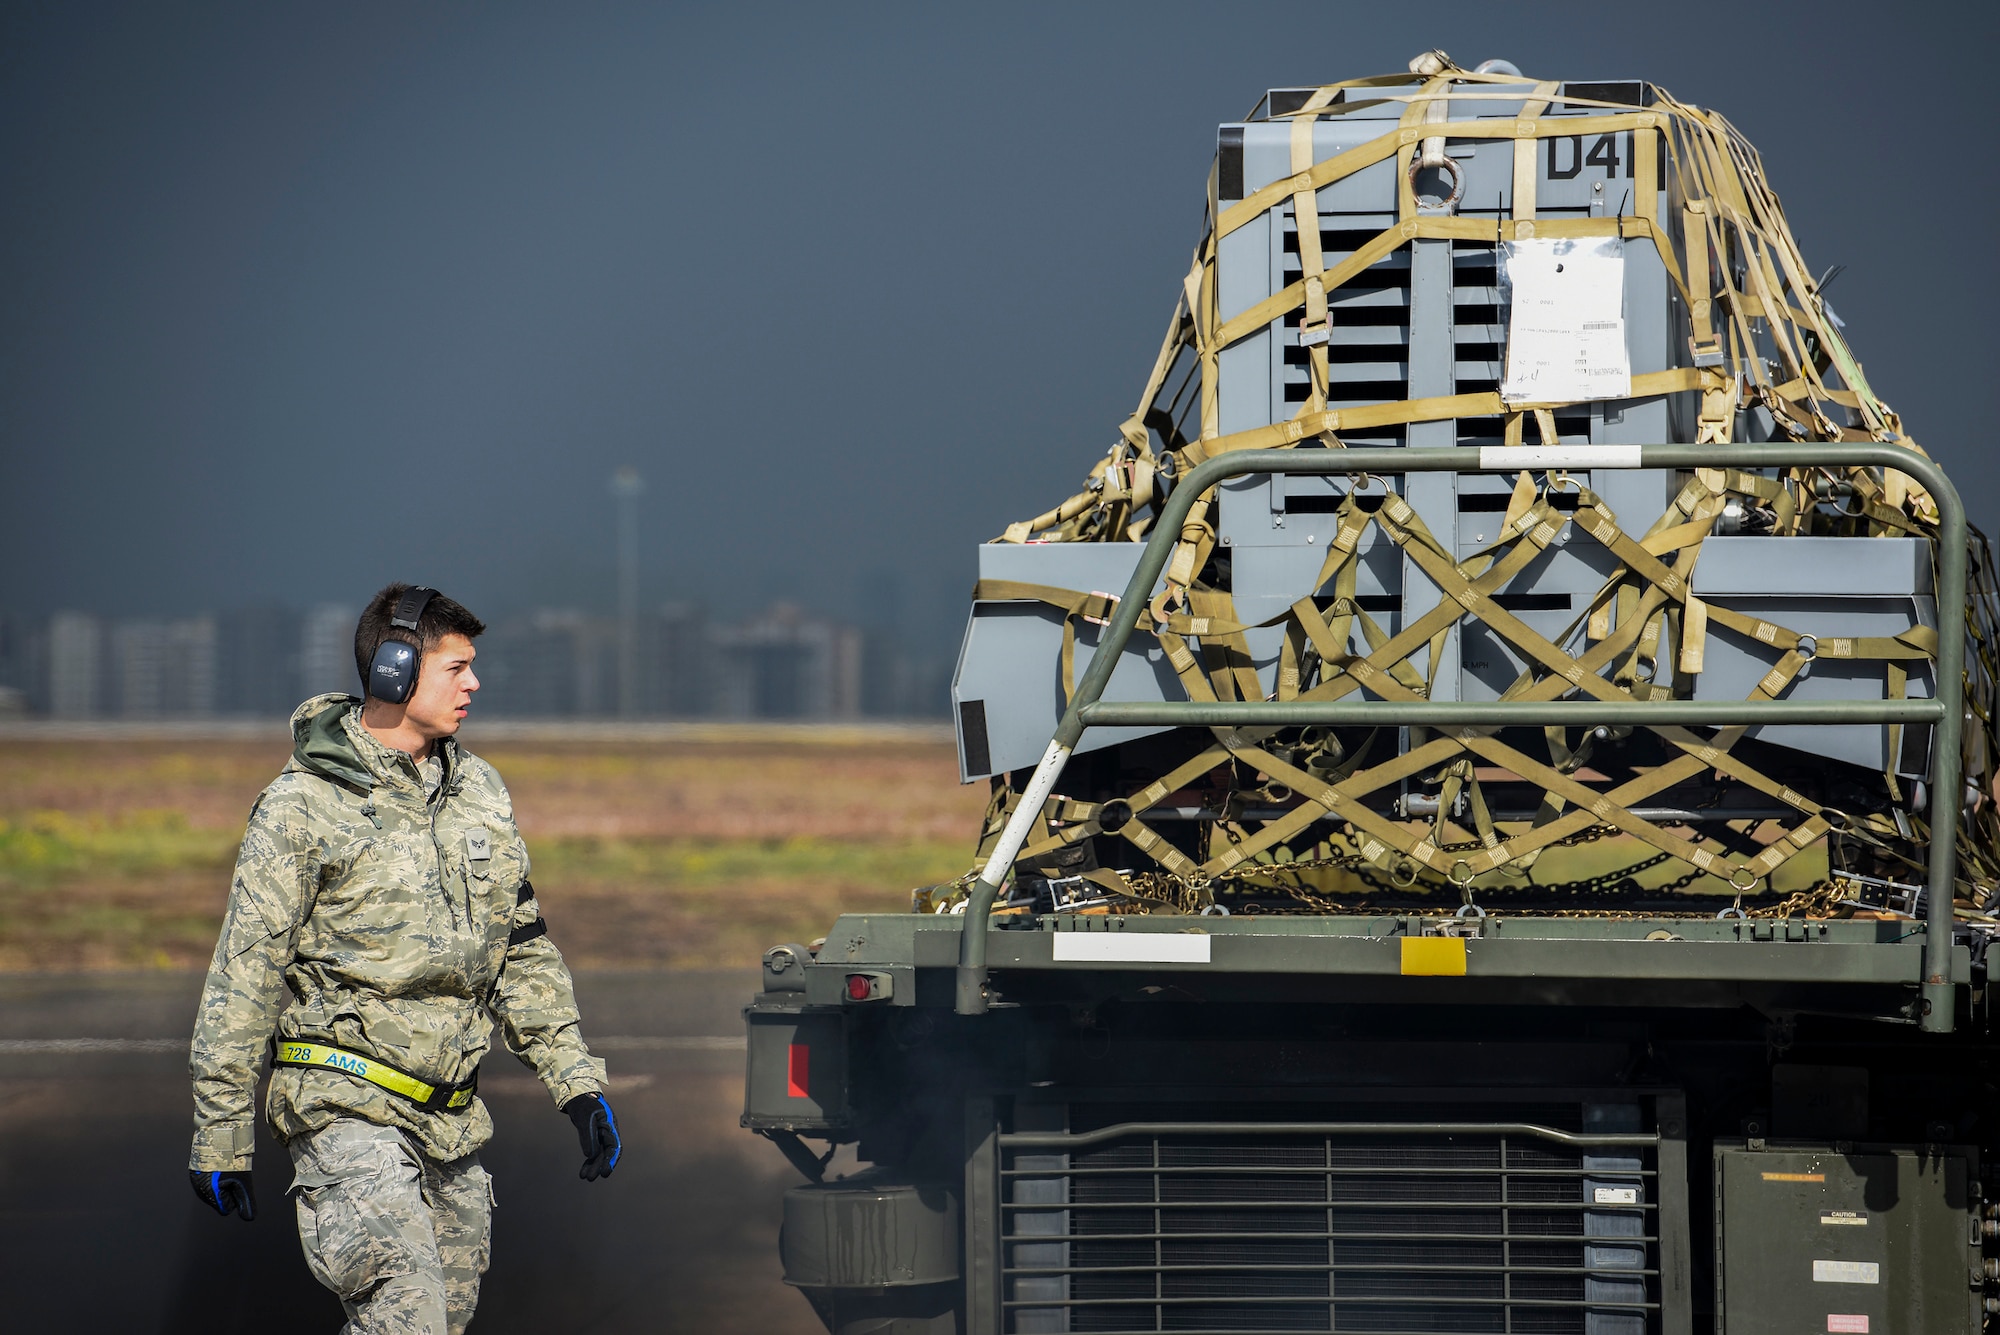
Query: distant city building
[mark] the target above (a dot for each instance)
(161, 668)
(786, 664)
(23, 666)
(77, 665)
(911, 630)
(676, 653)
(560, 662)
(326, 651)
(552, 663)
(257, 662)
(555, 663)
(896, 683)
(192, 646)
(138, 668)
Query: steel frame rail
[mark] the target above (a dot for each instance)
(1945, 711)
(1104, 1135)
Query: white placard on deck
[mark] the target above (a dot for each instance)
(1133, 947)
(1509, 458)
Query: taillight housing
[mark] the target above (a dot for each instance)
(869, 987)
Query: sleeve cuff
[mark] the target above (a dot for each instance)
(584, 1077)
(222, 1149)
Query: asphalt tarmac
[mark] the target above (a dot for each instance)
(99, 1230)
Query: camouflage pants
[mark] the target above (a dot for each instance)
(401, 1238)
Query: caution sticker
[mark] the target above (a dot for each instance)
(1436, 956)
(1847, 1217)
(1846, 1272)
(1842, 1323)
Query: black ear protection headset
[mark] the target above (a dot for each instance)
(393, 674)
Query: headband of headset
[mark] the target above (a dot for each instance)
(392, 676)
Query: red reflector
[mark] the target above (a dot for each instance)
(858, 986)
(798, 1061)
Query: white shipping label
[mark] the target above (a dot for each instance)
(1566, 326)
(1132, 947)
(1846, 1272)
(1616, 1196)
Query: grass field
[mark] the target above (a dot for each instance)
(691, 854)
(115, 854)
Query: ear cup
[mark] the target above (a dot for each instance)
(393, 673)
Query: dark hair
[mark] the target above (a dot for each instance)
(441, 617)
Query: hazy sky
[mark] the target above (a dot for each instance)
(303, 298)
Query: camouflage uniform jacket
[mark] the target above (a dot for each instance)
(386, 911)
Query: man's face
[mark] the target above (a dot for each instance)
(444, 688)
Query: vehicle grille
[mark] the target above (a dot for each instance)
(1351, 1226)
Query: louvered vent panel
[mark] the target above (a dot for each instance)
(1500, 1231)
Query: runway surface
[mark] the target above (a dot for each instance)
(100, 1232)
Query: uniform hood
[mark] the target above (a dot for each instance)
(321, 744)
(327, 740)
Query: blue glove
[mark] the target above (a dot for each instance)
(225, 1193)
(597, 1131)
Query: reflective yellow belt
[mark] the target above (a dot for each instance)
(431, 1097)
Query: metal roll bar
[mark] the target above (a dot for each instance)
(1945, 712)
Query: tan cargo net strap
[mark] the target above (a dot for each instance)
(1636, 604)
(1763, 292)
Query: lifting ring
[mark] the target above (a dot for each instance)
(1851, 494)
(1807, 647)
(1404, 874)
(1741, 886)
(1450, 202)
(1558, 478)
(1360, 482)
